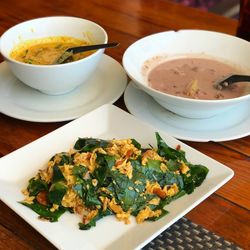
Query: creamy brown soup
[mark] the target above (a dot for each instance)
(194, 78)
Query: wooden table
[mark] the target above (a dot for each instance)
(227, 211)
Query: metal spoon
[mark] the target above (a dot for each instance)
(232, 79)
(74, 50)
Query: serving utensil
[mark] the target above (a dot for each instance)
(74, 50)
(231, 80)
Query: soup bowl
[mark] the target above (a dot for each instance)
(160, 47)
(59, 78)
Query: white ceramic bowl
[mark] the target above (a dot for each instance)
(54, 79)
(187, 42)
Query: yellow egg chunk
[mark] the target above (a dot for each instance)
(47, 50)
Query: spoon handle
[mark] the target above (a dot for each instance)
(79, 49)
(233, 79)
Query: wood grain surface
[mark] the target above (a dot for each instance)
(227, 211)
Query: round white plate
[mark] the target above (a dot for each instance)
(20, 101)
(230, 125)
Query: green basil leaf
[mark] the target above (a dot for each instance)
(36, 186)
(66, 159)
(110, 160)
(197, 175)
(154, 165)
(101, 173)
(89, 144)
(57, 174)
(136, 143)
(79, 171)
(168, 152)
(91, 197)
(173, 165)
(78, 188)
(45, 212)
(56, 193)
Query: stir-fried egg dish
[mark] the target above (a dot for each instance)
(99, 177)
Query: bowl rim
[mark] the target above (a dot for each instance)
(8, 58)
(180, 98)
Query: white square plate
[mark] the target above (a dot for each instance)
(106, 122)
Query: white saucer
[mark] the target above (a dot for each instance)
(20, 101)
(230, 125)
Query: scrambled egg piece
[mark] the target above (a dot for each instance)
(123, 149)
(87, 218)
(184, 168)
(125, 168)
(120, 214)
(155, 188)
(69, 198)
(147, 213)
(151, 154)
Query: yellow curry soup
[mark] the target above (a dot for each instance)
(45, 51)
